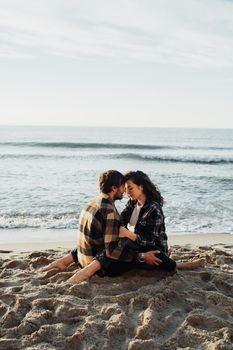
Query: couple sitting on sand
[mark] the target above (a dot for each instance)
(110, 244)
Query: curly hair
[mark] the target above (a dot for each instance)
(150, 189)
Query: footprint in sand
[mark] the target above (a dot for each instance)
(16, 312)
(38, 254)
(3, 309)
(16, 264)
(9, 344)
(205, 321)
(222, 285)
(8, 299)
(60, 277)
(39, 262)
(206, 276)
(220, 302)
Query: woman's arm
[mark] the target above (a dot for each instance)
(124, 233)
(151, 232)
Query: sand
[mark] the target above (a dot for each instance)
(139, 310)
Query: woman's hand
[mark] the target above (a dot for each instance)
(123, 232)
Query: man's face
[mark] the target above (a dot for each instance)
(119, 192)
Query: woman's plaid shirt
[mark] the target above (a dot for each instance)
(150, 227)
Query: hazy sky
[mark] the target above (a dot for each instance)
(165, 63)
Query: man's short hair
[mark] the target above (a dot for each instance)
(110, 178)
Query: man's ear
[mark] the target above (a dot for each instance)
(114, 188)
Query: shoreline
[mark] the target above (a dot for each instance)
(20, 240)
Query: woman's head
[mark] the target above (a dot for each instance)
(138, 183)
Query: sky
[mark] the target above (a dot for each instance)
(151, 63)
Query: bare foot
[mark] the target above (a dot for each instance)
(85, 273)
(60, 264)
(78, 277)
(191, 265)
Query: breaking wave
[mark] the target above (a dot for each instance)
(97, 145)
(135, 156)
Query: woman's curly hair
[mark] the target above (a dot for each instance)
(150, 189)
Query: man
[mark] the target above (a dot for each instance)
(98, 232)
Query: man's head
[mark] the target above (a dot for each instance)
(112, 182)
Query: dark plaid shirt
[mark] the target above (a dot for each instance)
(150, 227)
(98, 231)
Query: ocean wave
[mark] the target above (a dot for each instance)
(182, 221)
(173, 159)
(36, 156)
(30, 220)
(135, 156)
(208, 224)
(107, 145)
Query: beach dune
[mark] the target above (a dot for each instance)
(139, 310)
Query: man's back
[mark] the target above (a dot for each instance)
(98, 229)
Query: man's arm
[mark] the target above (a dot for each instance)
(114, 247)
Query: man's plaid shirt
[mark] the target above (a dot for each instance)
(98, 231)
(150, 227)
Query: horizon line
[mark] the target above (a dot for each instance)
(114, 126)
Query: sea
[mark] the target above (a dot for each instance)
(48, 174)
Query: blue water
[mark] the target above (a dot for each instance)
(48, 174)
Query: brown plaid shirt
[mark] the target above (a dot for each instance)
(98, 230)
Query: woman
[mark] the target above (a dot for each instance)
(142, 234)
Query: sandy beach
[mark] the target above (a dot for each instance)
(138, 310)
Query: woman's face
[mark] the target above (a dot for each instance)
(133, 191)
